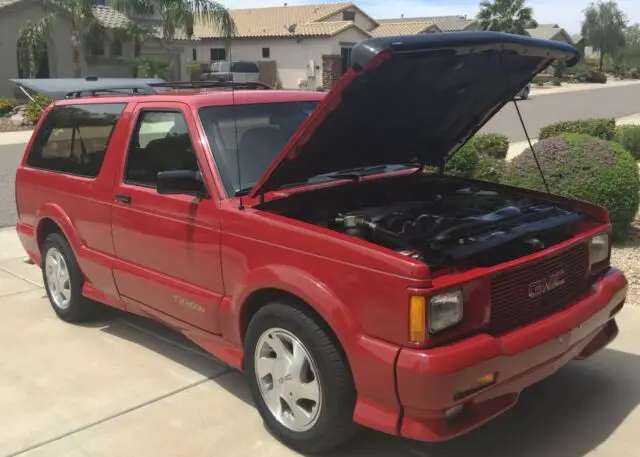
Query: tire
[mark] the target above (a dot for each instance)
(525, 94)
(65, 296)
(332, 423)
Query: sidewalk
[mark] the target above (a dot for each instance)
(537, 91)
(517, 147)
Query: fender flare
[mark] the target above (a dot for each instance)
(302, 285)
(55, 213)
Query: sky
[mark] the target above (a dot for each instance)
(566, 13)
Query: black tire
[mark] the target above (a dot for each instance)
(79, 308)
(334, 425)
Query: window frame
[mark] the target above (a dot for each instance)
(136, 126)
(42, 128)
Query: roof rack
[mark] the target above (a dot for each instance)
(212, 85)
(113, 91)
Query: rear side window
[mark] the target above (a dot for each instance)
(244, 67)
(73, 138)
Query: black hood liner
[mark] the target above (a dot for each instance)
(416, 98)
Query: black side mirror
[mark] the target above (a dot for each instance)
(182, 182)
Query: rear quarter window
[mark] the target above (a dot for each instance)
(73, 138)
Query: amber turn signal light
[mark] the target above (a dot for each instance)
(418, 319)
(478, 384)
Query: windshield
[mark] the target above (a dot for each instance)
(254, 140)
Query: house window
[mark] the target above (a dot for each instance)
(115, 48)
(266, 53)
(346, 59)
(218, 54)
(194, 54)
(348, 15)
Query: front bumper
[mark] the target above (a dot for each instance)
(431, 381)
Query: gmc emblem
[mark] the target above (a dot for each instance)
(542, 286)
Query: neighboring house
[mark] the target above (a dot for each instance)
(587, 52)
(310, 44)
(111, 58)
(443, 23)
(550, 32)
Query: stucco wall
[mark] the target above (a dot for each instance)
(292, 56)
(12, 19)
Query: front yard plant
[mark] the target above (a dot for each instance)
(36, 107)
(7, 105)
(629, 137)
(585, 168)
(603, 128)
(492, 144)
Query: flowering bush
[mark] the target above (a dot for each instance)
(585, 168)
(602, 128)
(492, 144)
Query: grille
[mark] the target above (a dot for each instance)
(511, 305)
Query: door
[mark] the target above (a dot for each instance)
(168, 246)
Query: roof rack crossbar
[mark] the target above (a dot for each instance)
(111, 91)
(211, 85)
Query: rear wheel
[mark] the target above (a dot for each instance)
(63, 280)
(299, 380)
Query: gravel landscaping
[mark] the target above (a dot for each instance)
(626, 256)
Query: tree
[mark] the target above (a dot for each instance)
(604, 28)
(511, 16)
(630, 55)
(182, 14)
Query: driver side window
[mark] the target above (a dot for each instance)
(161, 142)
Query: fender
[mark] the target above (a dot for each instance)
(56, 214)
(296, 282)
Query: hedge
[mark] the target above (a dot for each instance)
(604, 128)
(585, 168)
(629, 137)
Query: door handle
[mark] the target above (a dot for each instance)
(126, 199)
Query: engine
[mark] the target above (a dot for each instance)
(461, 225)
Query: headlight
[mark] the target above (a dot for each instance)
(445, 310)
(598, 249)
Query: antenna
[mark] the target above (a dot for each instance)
(524, 127)
(235, 131)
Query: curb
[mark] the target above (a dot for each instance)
(21, 136)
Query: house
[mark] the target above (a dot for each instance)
(550, 32)
(110, 57)
(311, 44)
(443, 23)
(587, 52)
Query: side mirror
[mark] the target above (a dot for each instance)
(182, 182)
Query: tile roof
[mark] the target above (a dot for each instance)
(403, 28)
(113, 19)
(444, 23)
(275, 21)
(547, 31)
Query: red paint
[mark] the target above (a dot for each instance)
(218, 255)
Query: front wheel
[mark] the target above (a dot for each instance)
(299, 379)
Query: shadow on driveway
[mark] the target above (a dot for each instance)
(569, 414)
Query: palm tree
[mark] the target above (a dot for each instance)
(182, 14)
(604, 28)
(511, 16)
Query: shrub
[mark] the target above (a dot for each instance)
(595, 76)
(585, 168)
(490, 169)
(556, 82)
(6, 105)
(36, 107)
(464, 161)
(620, 71)
(603, 128)
(634, 73)
(492, 144)
(629, 137)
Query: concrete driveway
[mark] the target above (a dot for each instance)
(122, 386)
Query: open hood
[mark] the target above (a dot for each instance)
(411, 98)
(58, 88)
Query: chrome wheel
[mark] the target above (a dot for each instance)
(58, 279)
(288, 379)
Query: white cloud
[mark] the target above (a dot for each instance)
(566, 13)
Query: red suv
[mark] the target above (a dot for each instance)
(298, 237)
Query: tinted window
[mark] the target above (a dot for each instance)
(161, 142)
(254, 139)
(244, 67)
(73, 138)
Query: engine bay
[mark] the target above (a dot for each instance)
(446, 224)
